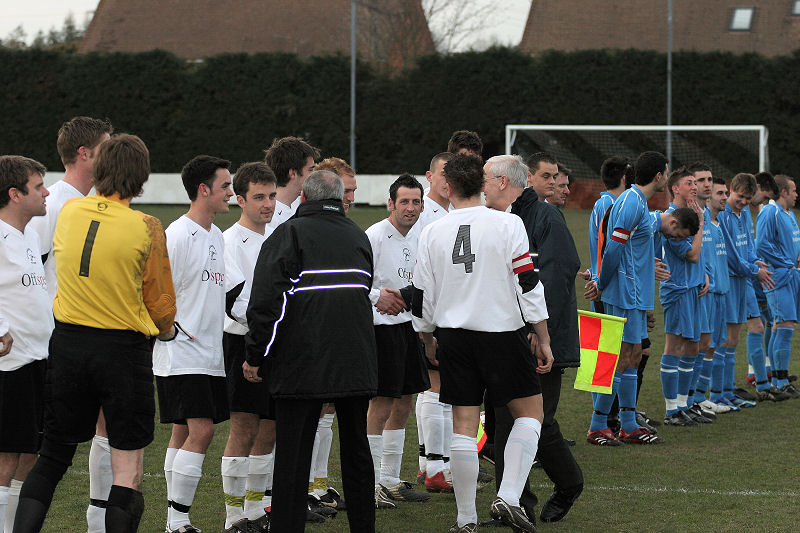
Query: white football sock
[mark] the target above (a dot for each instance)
(186, 472)
(323, 455)
(101, 477)
(256, 485)
(314, 453)
(433, 430)
(376, 449)
(234, 477)
(3, 503)
(447, 414)
(393, 441)
(420, 434)
(169, 460)
(464, 465)
(523, 441)
(13, 500)
(267, 500)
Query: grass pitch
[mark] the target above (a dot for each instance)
(734, 475)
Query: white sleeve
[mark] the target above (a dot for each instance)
(177, 250)
(374, 241)
(45, 228)
(530, 291)
(4, 325)
(424, 285)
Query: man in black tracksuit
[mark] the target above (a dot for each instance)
(311, 338)
(558, 263)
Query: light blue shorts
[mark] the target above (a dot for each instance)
(735, 303)
(716, 316)
(784, 301)
(635, 328)
(682, 316)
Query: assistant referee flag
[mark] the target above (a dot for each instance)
(601, 338)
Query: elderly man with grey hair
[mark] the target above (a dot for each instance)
(504, 179)
(311, 338)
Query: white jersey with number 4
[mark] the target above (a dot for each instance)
(475, 272)
(196, 257)
(242, 247)
(393, 257)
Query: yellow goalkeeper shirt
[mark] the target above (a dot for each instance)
(112, 267)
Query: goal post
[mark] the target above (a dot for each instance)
(728, 150)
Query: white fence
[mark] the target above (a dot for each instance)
(373, 189)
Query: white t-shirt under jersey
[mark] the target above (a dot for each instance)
(467, 265)
(45, 226)
(283, 213)
(393, 257)
(242, 247)
(432, 212)
(27, 310)
(197, 259)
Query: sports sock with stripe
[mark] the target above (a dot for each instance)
(783, 350)
(627, 400)
(602, 405)
(669, 382)
(187, 469)
(729, 378)
(259, 469)
(755, 355)
(234, 478)
(717, 374)
(100, 479)
(685, 374)
(704, 376)
(771, 356)
(323, 455)
(420, 433)
(433, 428)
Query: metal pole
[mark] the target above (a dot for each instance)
(353, 85)
(669, 81)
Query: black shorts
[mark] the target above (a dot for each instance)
(22, 407)
(244, 396)
(192, 396)
(89, 368)
(472, 362)
(401, 363)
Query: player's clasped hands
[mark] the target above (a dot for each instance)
(764, 275)
(662, 271)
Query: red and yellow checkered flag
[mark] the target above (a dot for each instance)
(601, 338)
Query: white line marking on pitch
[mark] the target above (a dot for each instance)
(678, 490)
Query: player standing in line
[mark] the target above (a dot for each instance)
(716, 261)
(25, 332)
(778, 243)
(681, 298)
(401, 367)
(626, 284)
(292, 160)
(743, 264)
(114, 294)
(190, 370)
(249, 451)
(78, 141)
(472, 252)
(434, 418)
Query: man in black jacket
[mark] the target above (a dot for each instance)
(310, 321)
(558, 263)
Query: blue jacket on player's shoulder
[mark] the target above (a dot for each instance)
(718, 276)
(684, 274)
(778, 241)
(738, 243)
(602, 204)
(627, 273)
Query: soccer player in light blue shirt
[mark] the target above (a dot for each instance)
(779, 244)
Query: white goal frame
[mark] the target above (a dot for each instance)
(763, 133)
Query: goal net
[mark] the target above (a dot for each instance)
(728, 150)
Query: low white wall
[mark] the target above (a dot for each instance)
(373, 189)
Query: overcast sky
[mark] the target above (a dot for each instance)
(503, 25)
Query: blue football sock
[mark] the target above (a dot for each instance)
(783, 349)
(602, 405)
(755, 354)
(685, 374)
(771, 355)
(669, 382)
(717, 374)
(627, 400)
(702, 376)
(767, 357)
(729, 379)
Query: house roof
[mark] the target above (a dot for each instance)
(697, 25)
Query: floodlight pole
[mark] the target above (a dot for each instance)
(353, 85)
(669, 81)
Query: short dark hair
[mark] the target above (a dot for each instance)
(648, 165)
(255, 172)
(698, 166)
(288, 153)
(465, 139)
(464, 174)
(405, 180)
(718, 181)
(80, 131)
(564, 169)
(782, 182)
(675, 177)
(613, 169)
(14, 173)
(687, 219)
(122, 166)
(766, 181)
(744, 183)
(442, 156)
(534, 160)
(201, 169)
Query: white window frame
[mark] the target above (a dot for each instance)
(737, 23)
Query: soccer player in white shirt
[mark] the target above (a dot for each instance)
(26, 321)
(292, 160)
(472, 252)
(436, 201)
(78, 141)
(248, 455)
(401, 367)
(190, 370)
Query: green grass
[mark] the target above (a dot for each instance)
(734, 475)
